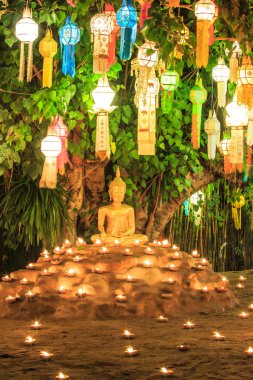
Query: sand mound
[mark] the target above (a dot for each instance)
(113, 285)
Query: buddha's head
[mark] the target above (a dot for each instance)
(117, 188)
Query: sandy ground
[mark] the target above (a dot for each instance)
(94, 350)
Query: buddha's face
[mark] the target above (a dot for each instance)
(117, 193)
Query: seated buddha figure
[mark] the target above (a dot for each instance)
(116, 221)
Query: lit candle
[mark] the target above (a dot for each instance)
(217, 336)
(204, 290)
(77, 259)
(10, 299)
(171, 281)
(130, 279)
(59, 251)
(46, 258)
(98, 243)
(162, 319)
(249, 352)
(30, 295)
(244, 315)
(172, 267)
(66, 244)
(239, 286)
(131, 351)
(61, 290)
(30, 266)
(97, 270)
(204, 262)
(36, 325)
(127, 335)
(70, 272)
(24, 281)
(120, 298)
(250, 308)
(195, 254)
(242, 279)
(149, 251)
(80, 242)
(61, 375)
(183, 348)
(80, 293)
(221, 289)
(147, 264)
(175, 247)
(176, 256)
(103, 250)
(224, 279)
(44, 252)
(7, 278)
(166, 372)
(136, 243)
(189, 325)
(29, 341)
(154, 243)
(46, 355)
(46, 272)
(116, 243)
(165, 243)
(128, 252)
(69, 251)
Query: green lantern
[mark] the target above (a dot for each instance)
(169, 83)
(198, 96)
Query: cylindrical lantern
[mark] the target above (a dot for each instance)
(235, 54)
(147, 58)
(212, 128)
(109, 9)
(221, 76)
(51, 148)
(225, 149)
(48, 48)
(245, 77)
(26, 31)
(127, 19)
(102, 25)
(69, 36)
(169, 83)
(198, 96)
(204, 11)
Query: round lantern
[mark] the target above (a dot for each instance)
(169, 80)
(69, 33)
(221, 72)
(225, 147)
(237, 114)
(197, 197)
(126, 16)
(103, 94)
(102, 23)
(245, 72)
(26, 29)
(147, 54)
(204, 10)
(51, 146)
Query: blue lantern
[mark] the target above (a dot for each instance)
(69, 36)
(127, 19)
(186, 207)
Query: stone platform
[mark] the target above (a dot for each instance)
(164, 281)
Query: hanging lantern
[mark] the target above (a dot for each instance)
(51, 148)
(235, 54)
(145, 6)
(245, 77)
(212, 128)
(103, 96)
(221, 76)
(109, 9)
(69, 36)
(225, 149)
(211, 27)
(186, 207)
(61, 131)
(102, 25)
(26, 31)
(198, 96)
(146, 63)
(47, 48)
(197, 200)
(147, 105)
(169, 83)
(237, 204)
(204, 11)
(127, 19)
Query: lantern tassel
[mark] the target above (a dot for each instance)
(212, 146)
(228, 169)
(250, 133)
(47, 72)
(202, 51)
(30, 62)
(222, 91)
(49, 173)
(196, 124)
(125, 43)
(167, 101)
(233, 66)
(68, 60)
(102, 149)
(237, 217)
(22, 63)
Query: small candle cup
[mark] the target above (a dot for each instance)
(137, 243)
(80, 242)
(128, 335)
(69, 252)
(30, 266)
(46, 272)
(147, 264)
(97, 270)
(176, 256)
(67, 244)
(59, 250)
(81, 293)
(131, 279)
(175, 247)
(195, 254)
(103, 250)
(116, 243)
(62, 376)
(120, 298)
(149, 251)
(224, 279)
(44, 252)
(172, 267)
(128, 252)
(218, 337)
(61, 290)
(47, 258)
(10, 299)
(77, 259)
(242, 279)
(164, 372)
(29, 341)
(189, 325)
(250, 307)
(30, 295)
(131, 351)
(204, 262)
(154, 243)
(249, 352)
(239, 286)
(166, 296)
(183, 348)
(46, 355)
(70, 272)
(162, 319)
(165, 244)
(171, 281)
(24, 281)
(7, 278)
(98, 243)
(244, 315)
(204, 290)
(221, 289)
(36, 325)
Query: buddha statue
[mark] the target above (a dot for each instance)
(116, 221)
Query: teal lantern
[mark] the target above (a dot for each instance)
(69, 36)
(169, 83)
(198, 96)
(127, 19)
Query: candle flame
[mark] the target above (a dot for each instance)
(80, 240)
(130, 349)
(250, 350)
(147, 263)
(29, 339)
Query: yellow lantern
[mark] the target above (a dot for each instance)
(237, 204)
(204, 11)
(51, 148)
(26, 31)
(221, 76)
(48, 48)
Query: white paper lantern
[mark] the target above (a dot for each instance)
(26, 29)
(103, 94)
(204, 10)
(144, 58)
(221, 75)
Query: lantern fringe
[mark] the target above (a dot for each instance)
(196, 123)
(202, 50)
(22, 63)
(233, 66)
(30, 62)
(250, 133)
(167, 101)
(102, 148)
(68, 60)
(125, 43)
(47, 72)
(221, 91)
(228, 169)
(237, 217)
(49, 173)
(237, 148)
